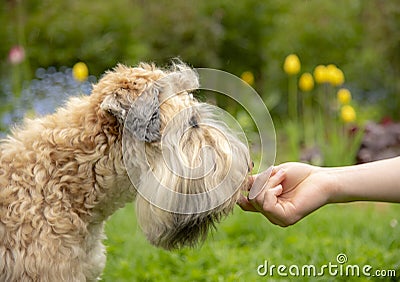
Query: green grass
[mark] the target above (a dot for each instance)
(366, 233)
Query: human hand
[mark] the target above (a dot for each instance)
(293, 191)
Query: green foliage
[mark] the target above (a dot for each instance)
(99, 33)
(379, 59)
(181, 29)
(360, 36)
(366, 233)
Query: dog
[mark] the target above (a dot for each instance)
(139, 136)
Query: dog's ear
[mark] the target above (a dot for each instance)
(143, 120)
(140, 116)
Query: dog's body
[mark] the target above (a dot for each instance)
(63, 175)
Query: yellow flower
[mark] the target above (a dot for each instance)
(344, 96)
(335, 75)
(248, 77)
(321, 74)
(292, 65)
(306, 82)
(348, 114)
(80, 71)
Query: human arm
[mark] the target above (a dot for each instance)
(302, 189)
(375, 181)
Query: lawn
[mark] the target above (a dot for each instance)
(367, 233)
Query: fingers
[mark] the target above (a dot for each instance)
(268, 180)
(245, 205)
(277, 177)
(266, 201)
(256, 184)
(263, 196)
(243, 201)
(271, 197)
(271, 209)
(267, 173)
(258, 206)
(259, 183)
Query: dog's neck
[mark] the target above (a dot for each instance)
(95, 146)
(112, 188)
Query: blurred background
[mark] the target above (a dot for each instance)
(328, 71)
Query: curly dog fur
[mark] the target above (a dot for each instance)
(63, 175)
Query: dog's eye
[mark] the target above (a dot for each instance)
(193, 122)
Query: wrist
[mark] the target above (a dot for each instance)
(339, 185)
(330, 185)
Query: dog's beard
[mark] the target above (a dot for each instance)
(206, 166)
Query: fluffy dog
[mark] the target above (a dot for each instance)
(63, 175)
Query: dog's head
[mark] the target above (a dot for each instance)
(187, 166)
